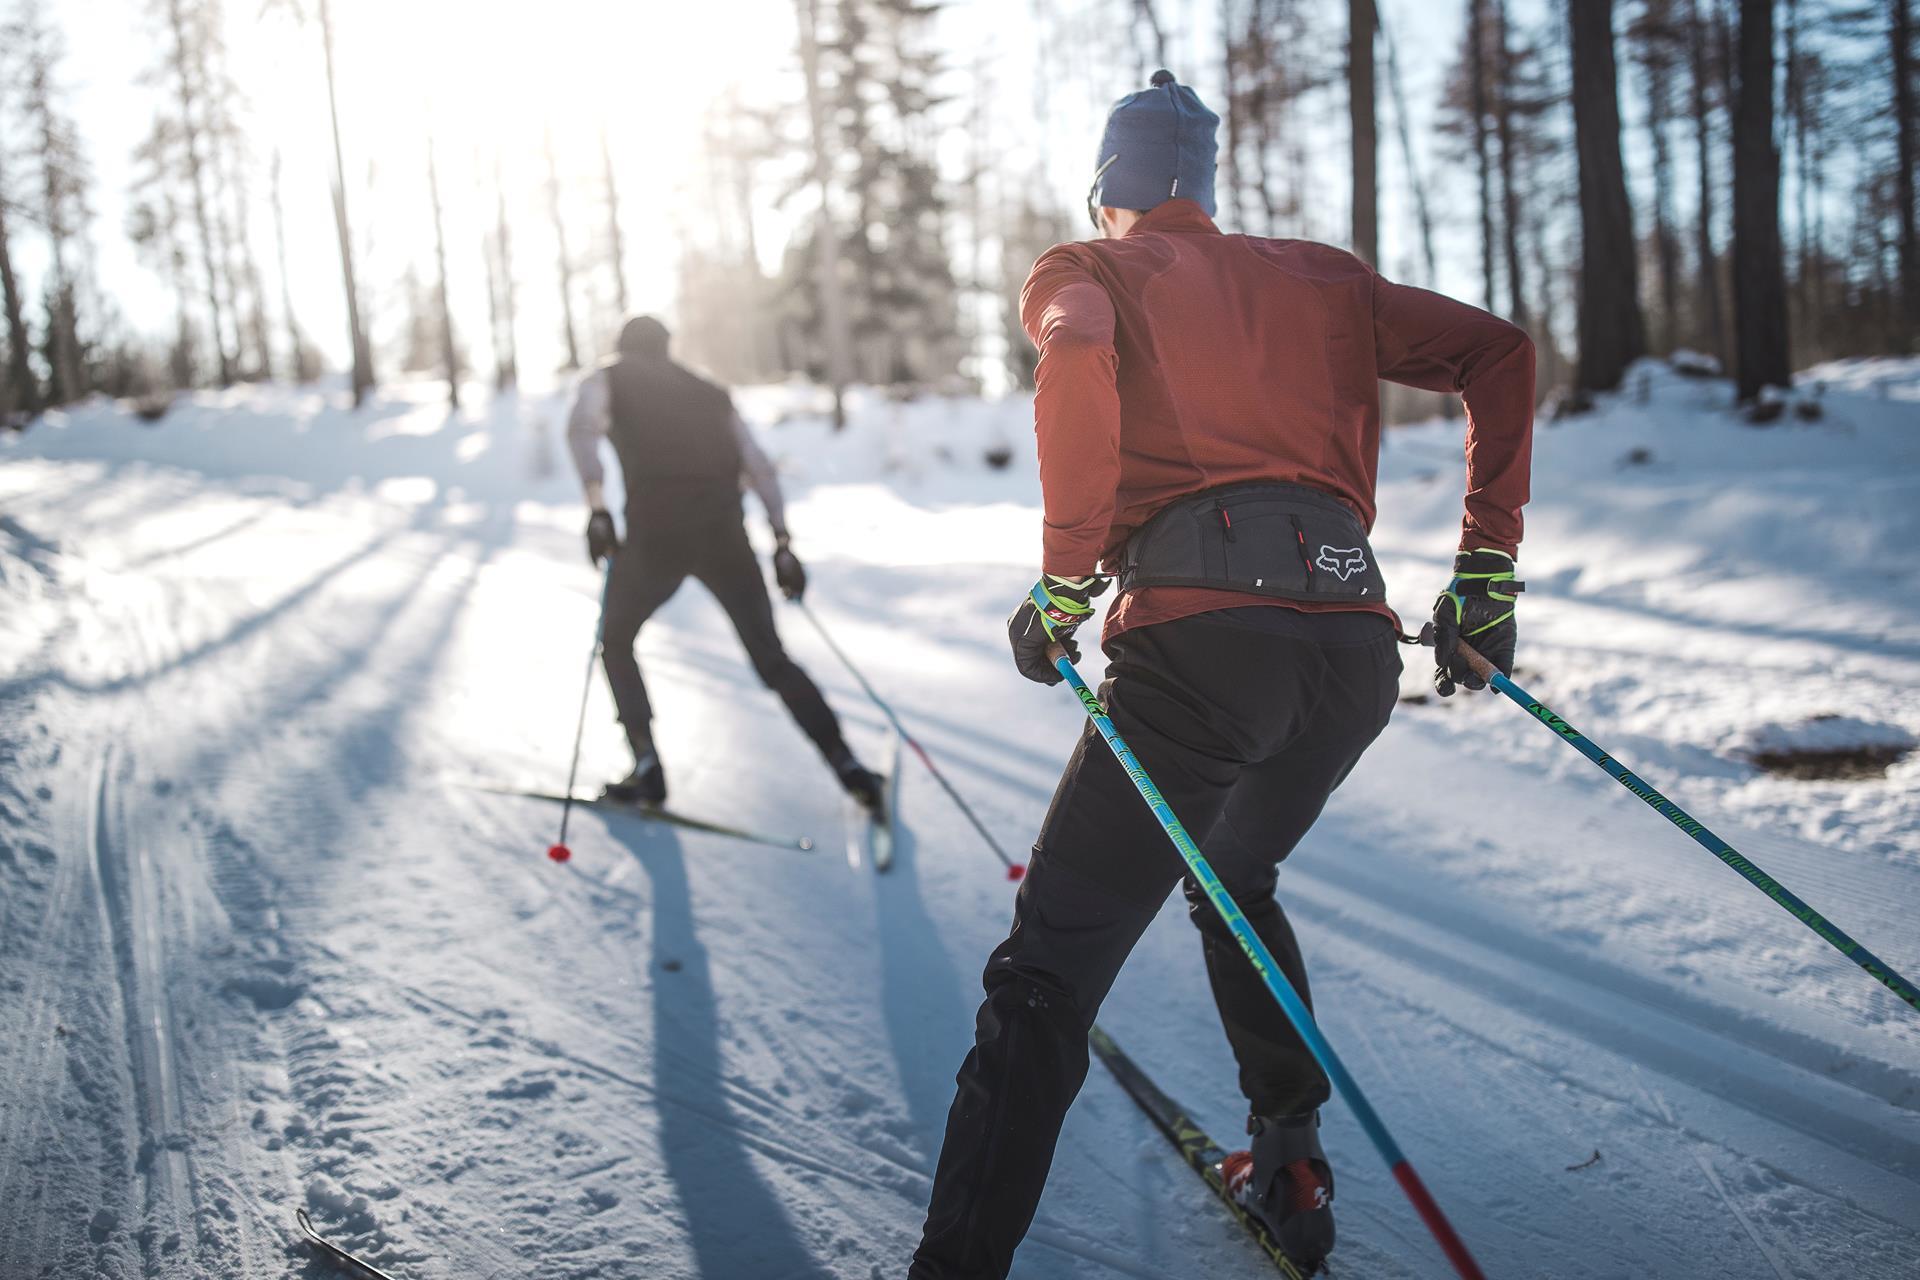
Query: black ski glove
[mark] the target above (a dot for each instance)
(602, 541)
(1477, 607)
(788, 571)
(1049, 615)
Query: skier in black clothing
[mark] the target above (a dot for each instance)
(684, 453)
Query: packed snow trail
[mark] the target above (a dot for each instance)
(257, 954)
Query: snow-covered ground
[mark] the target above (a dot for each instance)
(260, 948)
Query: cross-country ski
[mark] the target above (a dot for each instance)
(654, 813)
(882, 640)
(1202, 1154)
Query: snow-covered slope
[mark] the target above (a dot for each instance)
(260, 949)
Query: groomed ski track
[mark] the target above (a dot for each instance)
(258, 955)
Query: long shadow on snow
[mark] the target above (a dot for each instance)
(922, 997)
(238, 632)
(295, 690)
(735, 1223)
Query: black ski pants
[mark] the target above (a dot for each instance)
(665, 546)
(1246, 719)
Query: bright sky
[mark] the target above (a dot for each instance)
(494, 75)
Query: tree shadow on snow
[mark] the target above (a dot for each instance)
(736, 1224)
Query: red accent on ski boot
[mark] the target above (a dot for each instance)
(1236, 1171)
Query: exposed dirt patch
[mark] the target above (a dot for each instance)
(1831, 764)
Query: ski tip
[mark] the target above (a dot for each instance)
(1015, 871)
(559, 852)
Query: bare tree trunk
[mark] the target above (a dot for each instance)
(1360, 109)
(449, 357)
(1236, 114)
(249, 269)
(190, 134)
(1796, 107)
(1612, 333)
(343, 227)
(20, 380)
(615, 246)
(1423, 213)
(296, 349)
(1714, 325)
(831, 288)
(1509, 190)
(61, 172)
(1477, 53)
(1145, 15)
(506, 370)
(1759, 283)
(1657, 64)
(564, 259)
(1260, 108)
(1900, 30)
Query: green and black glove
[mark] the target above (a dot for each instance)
(1049, 615)
(1477, 607)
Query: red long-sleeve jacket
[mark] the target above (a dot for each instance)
(1177, 359)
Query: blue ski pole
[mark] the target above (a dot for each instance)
(1876, 968)
(1269, 970)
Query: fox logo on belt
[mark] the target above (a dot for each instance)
(1342, 562)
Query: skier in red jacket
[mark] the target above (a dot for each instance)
(1208, 421)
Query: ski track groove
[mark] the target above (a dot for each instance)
(1646, 1107)
(130, 914)
(1660, 1105)
(38, 1042)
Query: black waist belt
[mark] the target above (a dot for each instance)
(1280, 540)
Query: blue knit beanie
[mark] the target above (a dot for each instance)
(1159, 146)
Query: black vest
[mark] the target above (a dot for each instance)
(673, 433)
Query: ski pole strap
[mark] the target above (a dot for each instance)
(1276, 982)
(1835, 937)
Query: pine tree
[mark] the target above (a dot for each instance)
(878, 245)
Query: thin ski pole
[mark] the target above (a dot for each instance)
(1014, 869)
(1876, 968)
(1269, 970)
(558, 850)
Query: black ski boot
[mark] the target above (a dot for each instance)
(860, 782)
(646, 785)
(1286, 1183)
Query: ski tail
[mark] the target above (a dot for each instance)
(1202, 1154)
(886, 823)
(333, 1252)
